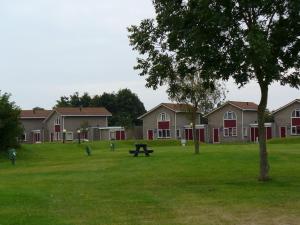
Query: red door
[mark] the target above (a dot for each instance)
(122, 135)
(216, 138)
(268, 133)
(254, 134)
(150, 134)
(200, 135)
(282, 132)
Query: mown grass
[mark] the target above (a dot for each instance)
(60, 184)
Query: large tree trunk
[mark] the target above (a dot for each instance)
(195, 138)
(264, 165)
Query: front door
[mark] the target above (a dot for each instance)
(216, 136)
(254, 134)
(282, 132)
(150, 134)
(36, 137)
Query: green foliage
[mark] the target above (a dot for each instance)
(10, 126)
(125, 105)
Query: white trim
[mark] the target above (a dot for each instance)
(214, 135)
(151, 110)
(199, 126)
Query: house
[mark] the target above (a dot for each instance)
(75, 122)
(287, 119)
(170, 121)
(235, 121)
(32, 121)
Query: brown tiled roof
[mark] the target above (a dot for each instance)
(178, 107)
(35, 113)
(84, 111)
(244, 105)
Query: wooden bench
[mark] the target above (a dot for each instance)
(137, 150)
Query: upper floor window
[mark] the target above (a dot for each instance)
(163, 117)
(296, 113)
(230, 116)
(57, 121)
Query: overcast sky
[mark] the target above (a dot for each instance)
(51, 48)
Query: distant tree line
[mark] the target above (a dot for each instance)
(124, 105)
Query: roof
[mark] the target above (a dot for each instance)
(287, 105)
(35, 114)
(80, 111)
(244, 106)
(175, 107)
(83, 111)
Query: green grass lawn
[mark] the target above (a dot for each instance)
(55, 184)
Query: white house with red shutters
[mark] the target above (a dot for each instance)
(287, 119)
(171, 121)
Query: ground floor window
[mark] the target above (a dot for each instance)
(178, 134)
(163, 133)
(295, 130)
(230, 132)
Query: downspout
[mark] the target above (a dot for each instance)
(175, 133)
(242, 125)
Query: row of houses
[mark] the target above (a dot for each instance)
(233, 121)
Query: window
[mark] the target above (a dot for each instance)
(296, 113)
(178, 134)
(295, 130)
(57, 121)
(164, 133)
(230, 116)
(57, 136)
(230, 124)
(229, 132)
(163, 117)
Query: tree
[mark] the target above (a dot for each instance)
(125, 106)
(129, 108)
(10, 126)
(241, 39)
(201, 99)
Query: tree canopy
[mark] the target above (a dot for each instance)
(124, 105)
(242, 39)
(10, 126)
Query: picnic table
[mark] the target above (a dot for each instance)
(138, 150)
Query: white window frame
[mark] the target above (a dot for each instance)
(57, 121)
(245, 132)
(160, 133)
(163, 116)
(228, 117)
(57, 136)
(295, 112)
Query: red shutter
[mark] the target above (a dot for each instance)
(164, 125)
(57, 128)
(229, 123)
(202, 135)
(150, 134)
(295, 121)
(216, 135)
